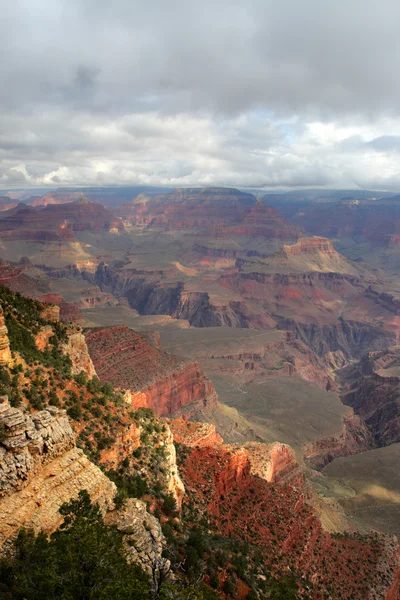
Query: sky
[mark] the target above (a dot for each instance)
(256, 93)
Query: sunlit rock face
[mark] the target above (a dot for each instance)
(5, 352)
(40, 469)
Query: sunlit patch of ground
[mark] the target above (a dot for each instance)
(367, 485)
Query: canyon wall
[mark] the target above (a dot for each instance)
(158, 380)
(56, 222)
(352, 338)
(371, 388)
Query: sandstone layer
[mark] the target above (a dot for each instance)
(40, 469)
(56, 222)
(77, 350)
(5, 352)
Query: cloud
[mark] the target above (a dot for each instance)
(260, 93)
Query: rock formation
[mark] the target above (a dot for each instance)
(51, 313)
(266, 505)
(355, 437)
(372, 389)
(194, 434)
(155, 379)
(40, 469)
(174, 482)
(220, 212)
(143, 539)
(56, 222)
(5, 352)
(276, 463)
(77, 350)
(353, 339)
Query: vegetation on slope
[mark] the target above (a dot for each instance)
(206, 564)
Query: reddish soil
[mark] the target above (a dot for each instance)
(278, 519)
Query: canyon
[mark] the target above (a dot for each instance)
(272, 354)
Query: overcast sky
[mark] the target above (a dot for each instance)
(263, 93)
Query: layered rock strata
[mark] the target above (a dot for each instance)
(40, 469)
(155, 379)
(268, 507)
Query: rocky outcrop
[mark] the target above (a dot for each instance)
(142, 538)
(66, 311)
(276, 463)
(310, 246)
(42, 338)
(40, 469)
(384, 299)
(155, 379)
(355, 437)
(77, 350)
(276, 517)
(193, 434)
(174, 482)
(372, 389)
(51, 313)
(5, 352)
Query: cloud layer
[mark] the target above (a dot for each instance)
(258, 93)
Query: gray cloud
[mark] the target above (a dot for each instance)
(213, 92)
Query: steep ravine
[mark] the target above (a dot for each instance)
(371, 388)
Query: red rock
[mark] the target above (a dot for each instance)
(57, 222)
(156, 379)
(276, 518)
(194, 434)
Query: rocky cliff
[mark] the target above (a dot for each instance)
(144, 542)
(266, 506)
(156, 379)
(41, 468)
(276, 463)
(372, 389)
(5, 352)
(149, 295)
(351, 338)
(77, 350)
(355, 437)
(222, 212)
(194, 434)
